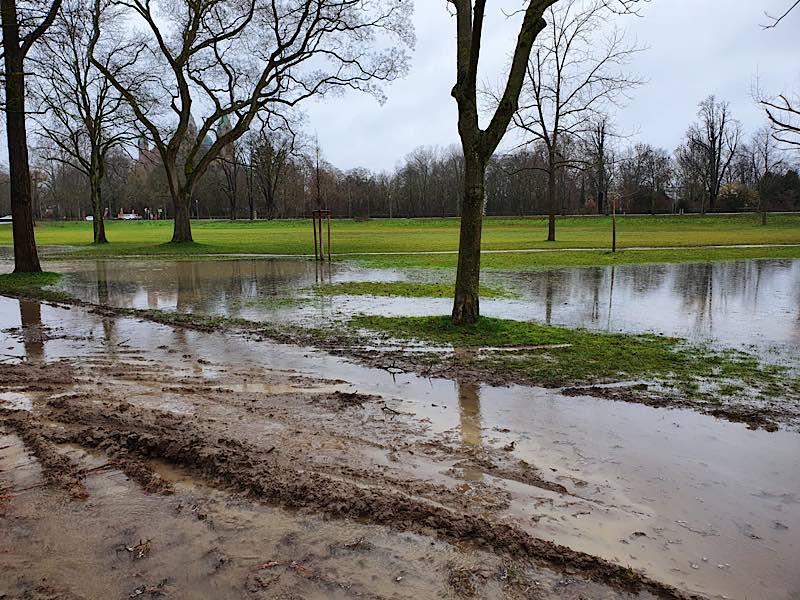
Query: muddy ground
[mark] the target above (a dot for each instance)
(131, 466)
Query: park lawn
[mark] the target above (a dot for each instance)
(416, 235)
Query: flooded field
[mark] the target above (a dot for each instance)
(741, 304)
(704, 505)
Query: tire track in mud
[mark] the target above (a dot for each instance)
(241, 466)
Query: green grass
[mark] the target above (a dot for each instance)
(33, 285)
(579, 356)
(438, 235)
(406, 289)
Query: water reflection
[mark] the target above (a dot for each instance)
(32, 336)
(469, 413)
(733, 303)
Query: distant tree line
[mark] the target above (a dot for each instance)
(275, 173)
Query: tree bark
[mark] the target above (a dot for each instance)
(95, 184)
(466, 307)
(26, 257)
(181, 200)
(182, 230)
(551, 201)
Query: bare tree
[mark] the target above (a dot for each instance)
(711, 146)
(271, 149)
(23, 24)
(765, 159)
(784, 115)
(236, 59)
(478, 145)
(575, 73)
(81, 113)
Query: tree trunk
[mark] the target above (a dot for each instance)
(551, 201)
(182, 231)
(26, 257)
(466, 307)
(95, 184)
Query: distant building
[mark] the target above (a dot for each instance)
(148, 156)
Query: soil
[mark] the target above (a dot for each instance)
(143, 470)
(95, 420)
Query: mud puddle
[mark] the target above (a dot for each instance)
(203, 543)
(704, 505)
(741, 304)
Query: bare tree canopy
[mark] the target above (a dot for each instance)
(23, 23)
(575, 76)
(784, 115)
(229, 60)
(711, 146)
(775, 20)
(81, 114)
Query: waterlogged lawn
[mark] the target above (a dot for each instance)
(294, 237)
(560, 355)
(406, 289)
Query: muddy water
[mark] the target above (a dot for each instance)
(700, 503)
(732, 303)
(202, 543)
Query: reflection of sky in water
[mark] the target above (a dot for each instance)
(733, 303)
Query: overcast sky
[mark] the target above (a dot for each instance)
(696, 48)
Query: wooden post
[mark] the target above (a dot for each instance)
(314, 227)
(329, 236)
(613, 224)
(321, 241)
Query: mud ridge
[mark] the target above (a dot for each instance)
(57, 468)
(245, 468)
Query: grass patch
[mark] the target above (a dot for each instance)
(406, 289)
(34, 285)
(578, 356)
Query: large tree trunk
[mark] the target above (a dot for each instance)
(181, 200)
(26, 257)
(466, 307)
(95, 184)
(182, 231)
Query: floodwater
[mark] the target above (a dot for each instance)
(693, 501)
(738, 304)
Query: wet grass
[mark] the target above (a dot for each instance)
(564, 356)
(407, 289)
(33, 285)
(293, 237)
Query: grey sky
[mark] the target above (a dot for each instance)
(696, 47)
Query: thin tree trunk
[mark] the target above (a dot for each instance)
(551, 200)
(26, 257)
(466, 307)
